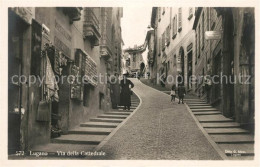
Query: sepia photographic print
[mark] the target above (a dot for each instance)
(155, 82)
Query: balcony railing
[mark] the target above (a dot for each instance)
(91, 27)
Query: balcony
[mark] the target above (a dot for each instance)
(74, 13)
(105, 47)
(91, 30)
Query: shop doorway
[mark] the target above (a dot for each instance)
(181, 61)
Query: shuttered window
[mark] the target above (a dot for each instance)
(159, 46)
(168, 34)
(202, 31)
(180, 20)
(159, 14)
(174, 26)
(163, 41)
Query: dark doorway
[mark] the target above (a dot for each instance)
(189, 65)
(181, 60)
(16, 28)
(141, 69)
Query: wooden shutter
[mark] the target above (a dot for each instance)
(180, 18)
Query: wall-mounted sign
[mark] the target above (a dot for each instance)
(213, 35)
(62, 47)
(90, 70)
(87, 66)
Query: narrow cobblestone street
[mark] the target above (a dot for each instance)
(159, 130)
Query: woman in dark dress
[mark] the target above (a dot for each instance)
(125, 95)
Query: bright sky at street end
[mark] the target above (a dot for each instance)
(134, 26)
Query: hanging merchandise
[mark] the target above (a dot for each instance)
(51, 84)
(49, 91)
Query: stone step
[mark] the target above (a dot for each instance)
(207, 113)
(226, 131)
(106, 120)
(233, 139)
(99, 124)
(221, 125)
(243, 149)
(79, 139)
(118, 113)
(113, 116)
(213, 118)
(200, 107)
(91, 130)
(193, 105)
(122, 107)
(204, 109)
(195, 102)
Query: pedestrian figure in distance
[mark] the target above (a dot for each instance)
(125, 96)
(173, 92)
(181, 93)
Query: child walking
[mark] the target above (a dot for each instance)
(173, 93)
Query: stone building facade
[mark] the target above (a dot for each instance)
(230, 58)
(63, 42)
(174, 44)
(136, 62)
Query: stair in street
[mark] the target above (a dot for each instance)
(236, 143)
(106, 120)
(112, 116)
(118, 113)
(99, 124)
(91, 131)
(207, 113)
(89, 134)
(79, 139)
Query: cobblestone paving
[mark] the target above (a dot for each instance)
(159, 130)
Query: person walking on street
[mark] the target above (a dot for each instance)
(125, 96)
(181, 93)
(173, 92)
